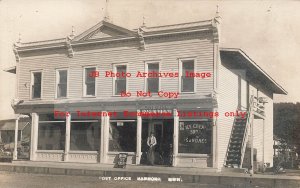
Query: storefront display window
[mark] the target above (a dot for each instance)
(85, 135)
(195, 137)
(51, 132)
(51, 135)
(122, 136)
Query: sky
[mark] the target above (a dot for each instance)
(268, 31)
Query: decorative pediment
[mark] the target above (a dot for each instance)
(107, 32)
(104, 30)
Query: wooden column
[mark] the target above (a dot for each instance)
(175, 137)
(215, 141)
(264, 144)
(68, 137)
(101, 155)
(105, 138)
(15, 156)
(139, 139)
(34, 136)
(251, 135)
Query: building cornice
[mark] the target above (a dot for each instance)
(139, 35)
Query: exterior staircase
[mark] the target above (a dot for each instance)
(238, 139)
(235, 143)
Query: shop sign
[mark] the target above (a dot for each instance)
(195, 137)
(157, 109)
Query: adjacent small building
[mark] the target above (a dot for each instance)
(8, 133)
(102, 92)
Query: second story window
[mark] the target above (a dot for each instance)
(62, 83)
(89, 81)
(120, 81)
(152, 83)
(36, 85)
(187, 82)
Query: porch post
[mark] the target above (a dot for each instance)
(175, 137)
(34, 136)
(101, 154)
(68, 137)
(105, 138)
(139, 139)
(214, 145)
(264, 147)
(251, 135)
(15, 156)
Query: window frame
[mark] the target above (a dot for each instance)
(83, 82)
(94, 134)
(63, 120)
(114, 78)
(32, 83)
(180, 62)
(146, 70)
(209, 145)
(57, 76)
(109, 127)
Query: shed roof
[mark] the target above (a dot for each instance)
(240, 59)
(9, 125)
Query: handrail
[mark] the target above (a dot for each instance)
(245, 138)
(259, 106)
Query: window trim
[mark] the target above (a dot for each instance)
(146, 70)
(57, 80)
(114, 68)
(83, 82)
(204, 155)
(99, 134)
(32, 83)
(109, 127)
(49, 122)
(180, 61)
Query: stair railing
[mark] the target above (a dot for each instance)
(247, 126)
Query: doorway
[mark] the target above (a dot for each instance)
(163, 132)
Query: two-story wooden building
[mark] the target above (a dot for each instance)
(100, 93)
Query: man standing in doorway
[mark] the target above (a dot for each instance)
(151, 142)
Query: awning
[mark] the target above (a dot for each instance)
(10, 125)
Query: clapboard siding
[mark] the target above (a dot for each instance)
(252, 90)
(228, 102)
(167, 53)
(258, 138)
(268, 129)
(269, 133)
(48, 67)
(244, 93)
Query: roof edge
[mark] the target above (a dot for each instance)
(130, 32)
(256, 66)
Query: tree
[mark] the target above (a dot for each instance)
(287, 124)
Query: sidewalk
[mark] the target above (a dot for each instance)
(186, 175)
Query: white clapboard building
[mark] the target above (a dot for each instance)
(100, 93)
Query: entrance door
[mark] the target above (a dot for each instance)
(156, 127)
(163, 132)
